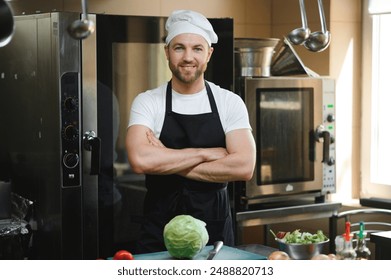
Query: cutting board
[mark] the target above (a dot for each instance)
(226, 253)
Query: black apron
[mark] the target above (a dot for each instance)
(172, 195)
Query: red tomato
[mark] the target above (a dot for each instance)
(123, 255)
(280, 234)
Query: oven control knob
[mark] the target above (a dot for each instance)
(70, 132)
(331, 161)
(70, 104)
(71, 160)
(330, 118)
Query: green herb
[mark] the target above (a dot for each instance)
(297, 237)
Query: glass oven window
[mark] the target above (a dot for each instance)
(285, 120)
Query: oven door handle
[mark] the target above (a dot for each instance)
(326, 146)
(93, 143)
(323, 135)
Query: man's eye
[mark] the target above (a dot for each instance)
(178, 48)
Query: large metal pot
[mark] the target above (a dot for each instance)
(253, 56)
(6, 23)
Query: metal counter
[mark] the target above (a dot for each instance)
(382, 242)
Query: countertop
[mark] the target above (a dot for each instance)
(243, 252)
(382, 242)
(257, 249)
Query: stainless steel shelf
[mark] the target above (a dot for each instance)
(287, 214)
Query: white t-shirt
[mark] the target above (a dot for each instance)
(149, 107)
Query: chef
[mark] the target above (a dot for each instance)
(190, 137)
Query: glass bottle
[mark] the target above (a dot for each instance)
(362, 251)
(348, 252)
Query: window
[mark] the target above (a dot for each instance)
(376, 100)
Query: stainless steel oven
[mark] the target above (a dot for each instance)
(293, 122)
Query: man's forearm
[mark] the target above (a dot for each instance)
(238, 165)
(152, 157)
(156, 160)
(148, 155)
(230, 168)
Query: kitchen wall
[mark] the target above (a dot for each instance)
(252, 17)
(345, 66)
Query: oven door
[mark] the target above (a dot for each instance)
(287, 119)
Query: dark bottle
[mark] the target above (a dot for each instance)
(362, 251)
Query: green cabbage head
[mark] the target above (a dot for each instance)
(185, 236)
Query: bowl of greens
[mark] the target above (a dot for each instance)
(301, 245)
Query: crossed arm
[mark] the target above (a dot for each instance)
(148, 155)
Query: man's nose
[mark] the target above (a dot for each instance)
(188, 55)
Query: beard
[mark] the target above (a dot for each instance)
(186, 77)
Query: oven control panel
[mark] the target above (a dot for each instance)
(329, 175)
(70, 130)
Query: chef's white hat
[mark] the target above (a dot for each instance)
(186, 21)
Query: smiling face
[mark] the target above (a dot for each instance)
(188, 55)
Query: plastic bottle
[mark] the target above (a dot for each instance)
(348, 252)
(362, 251)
